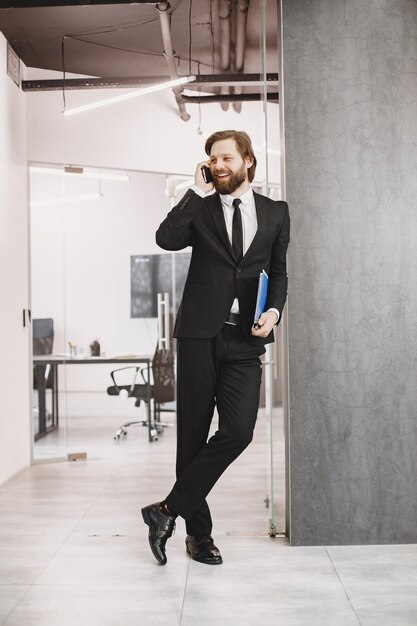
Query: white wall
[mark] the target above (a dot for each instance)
(14, 339)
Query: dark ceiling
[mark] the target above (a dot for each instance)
(125, 40)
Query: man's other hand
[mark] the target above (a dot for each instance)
(266, 323)
(199, 180)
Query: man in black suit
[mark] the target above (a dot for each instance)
(234, 233)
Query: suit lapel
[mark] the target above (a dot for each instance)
(262, 218)
(216, 211)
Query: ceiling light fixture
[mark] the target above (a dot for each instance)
(131, 94)
(185, 184)
(65, 199)
(259, 148)
(71, 170)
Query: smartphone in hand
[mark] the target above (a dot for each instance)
(207, 175)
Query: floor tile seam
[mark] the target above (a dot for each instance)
(4, 622)
(343, 587)
(185, 592)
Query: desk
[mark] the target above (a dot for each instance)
(54, 361)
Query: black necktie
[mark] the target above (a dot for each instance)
(237, 233)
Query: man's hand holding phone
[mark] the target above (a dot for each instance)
(203, 177)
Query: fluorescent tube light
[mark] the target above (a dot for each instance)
(259, 148)
(65, 199)
(132, 94)
(274, 151)
(185, 184)
(78, 171)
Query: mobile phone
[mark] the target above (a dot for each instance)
(207, 175)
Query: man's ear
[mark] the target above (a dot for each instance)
(249, 162)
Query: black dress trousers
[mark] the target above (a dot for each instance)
(224, 371)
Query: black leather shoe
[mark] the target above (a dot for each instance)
(201, 548)
(161, 527)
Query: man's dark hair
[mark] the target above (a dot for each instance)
(243, 143)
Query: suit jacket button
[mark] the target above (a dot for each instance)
(239, 270)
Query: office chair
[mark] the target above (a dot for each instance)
(42, 342)
(158, 392)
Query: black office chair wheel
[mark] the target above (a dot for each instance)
(153, 434)
(120, 431)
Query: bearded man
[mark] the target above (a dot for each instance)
(234, 233)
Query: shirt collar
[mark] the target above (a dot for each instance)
(246, 198)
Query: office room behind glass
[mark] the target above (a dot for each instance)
(85, 230)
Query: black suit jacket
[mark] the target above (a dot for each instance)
(214, 277)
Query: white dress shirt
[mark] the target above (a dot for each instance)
(249, 224)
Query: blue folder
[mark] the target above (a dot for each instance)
(261, 297)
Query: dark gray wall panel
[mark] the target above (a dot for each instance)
(350, 90)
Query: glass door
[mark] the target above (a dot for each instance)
(274, 364)
(89, 237)
(48, 296)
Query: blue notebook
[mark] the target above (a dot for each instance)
(261, 297)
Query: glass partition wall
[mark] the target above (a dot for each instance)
(92, 237)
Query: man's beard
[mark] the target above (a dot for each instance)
(232, 182)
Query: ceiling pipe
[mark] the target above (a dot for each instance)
(225, 27)
(242, 7)
(20, 4)
(206, 81)
(241, 23)
(231, 97)
(164, 9)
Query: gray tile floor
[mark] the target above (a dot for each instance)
(73, 550)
